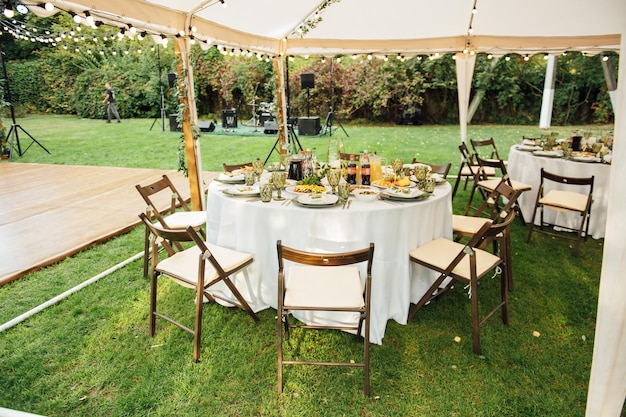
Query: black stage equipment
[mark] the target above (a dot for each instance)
(13, 137)
(162, 116)
(328, 123)
(229, 119)
(171, 79)
(309, 126)
(307, 80)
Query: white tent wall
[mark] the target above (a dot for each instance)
(464, 75)
(607, 383)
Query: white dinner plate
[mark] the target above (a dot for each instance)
(403, 193)
(584, 158)
(318, 200)
(243, 190)
(528, 148)
(230, 178)
(549, 154)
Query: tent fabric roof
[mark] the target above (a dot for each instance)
(406, 27)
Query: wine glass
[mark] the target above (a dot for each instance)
(333, 176)
(258, 166)
(278, 179)
(397, 164)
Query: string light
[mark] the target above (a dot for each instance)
(8, 10)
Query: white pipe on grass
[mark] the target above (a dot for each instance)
(5, 412)
(67, 293)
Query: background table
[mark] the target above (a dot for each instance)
(525, 167)
(395, 229)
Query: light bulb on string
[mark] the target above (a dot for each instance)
(89, 18)
(8, 10)
(49, 6)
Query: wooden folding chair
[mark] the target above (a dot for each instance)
(327, 282)
(494, 209)
(486, 149)
(470, 169)
(548, 197)
(467, 264)
(158, 194)
(201, 267)
(485, 185)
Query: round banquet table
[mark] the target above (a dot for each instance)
(525, 167)
(252, 226)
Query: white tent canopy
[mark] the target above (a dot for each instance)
(367, 26)
(278, 28)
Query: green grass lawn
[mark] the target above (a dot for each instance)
(90, 355)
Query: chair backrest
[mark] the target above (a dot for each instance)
(325, 259)
(492, 231)
(231, 168)
(583, 181)
(467, 159)
(497, 164)
(485, 148)
(166, 237)
(157, 194)
(491, 204)
(344, 156)
(442, 170)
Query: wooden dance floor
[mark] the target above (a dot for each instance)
(49, 212)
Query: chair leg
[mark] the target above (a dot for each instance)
(153, 302)
(456, 185)
(197, 330)
(146, 252)
(504, 294)
(366, 357)
(475, 317)
(279, 330)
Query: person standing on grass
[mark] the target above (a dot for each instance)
(109, 100)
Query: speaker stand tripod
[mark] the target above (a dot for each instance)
(13, 137)
(162, 95)
(328, 124)
(292, 141)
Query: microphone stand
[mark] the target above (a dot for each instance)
(13, 136)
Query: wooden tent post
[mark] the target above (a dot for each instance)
(189, 120)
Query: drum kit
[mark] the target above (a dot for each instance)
(265, 112)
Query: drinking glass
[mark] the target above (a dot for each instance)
(343, 191)
(249, 177)
(429, 185)
(266, 192)
(333, 176)
(278, 180)
(258, 166)
(396, 165)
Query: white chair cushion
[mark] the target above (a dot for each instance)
(489, 171)
(184, 265)
(491, 184)
(441, 252)
(565, 200)
(323, 286)
(182, 219)
(468, 225)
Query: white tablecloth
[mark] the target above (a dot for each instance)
(525, 167)
(395, 229)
